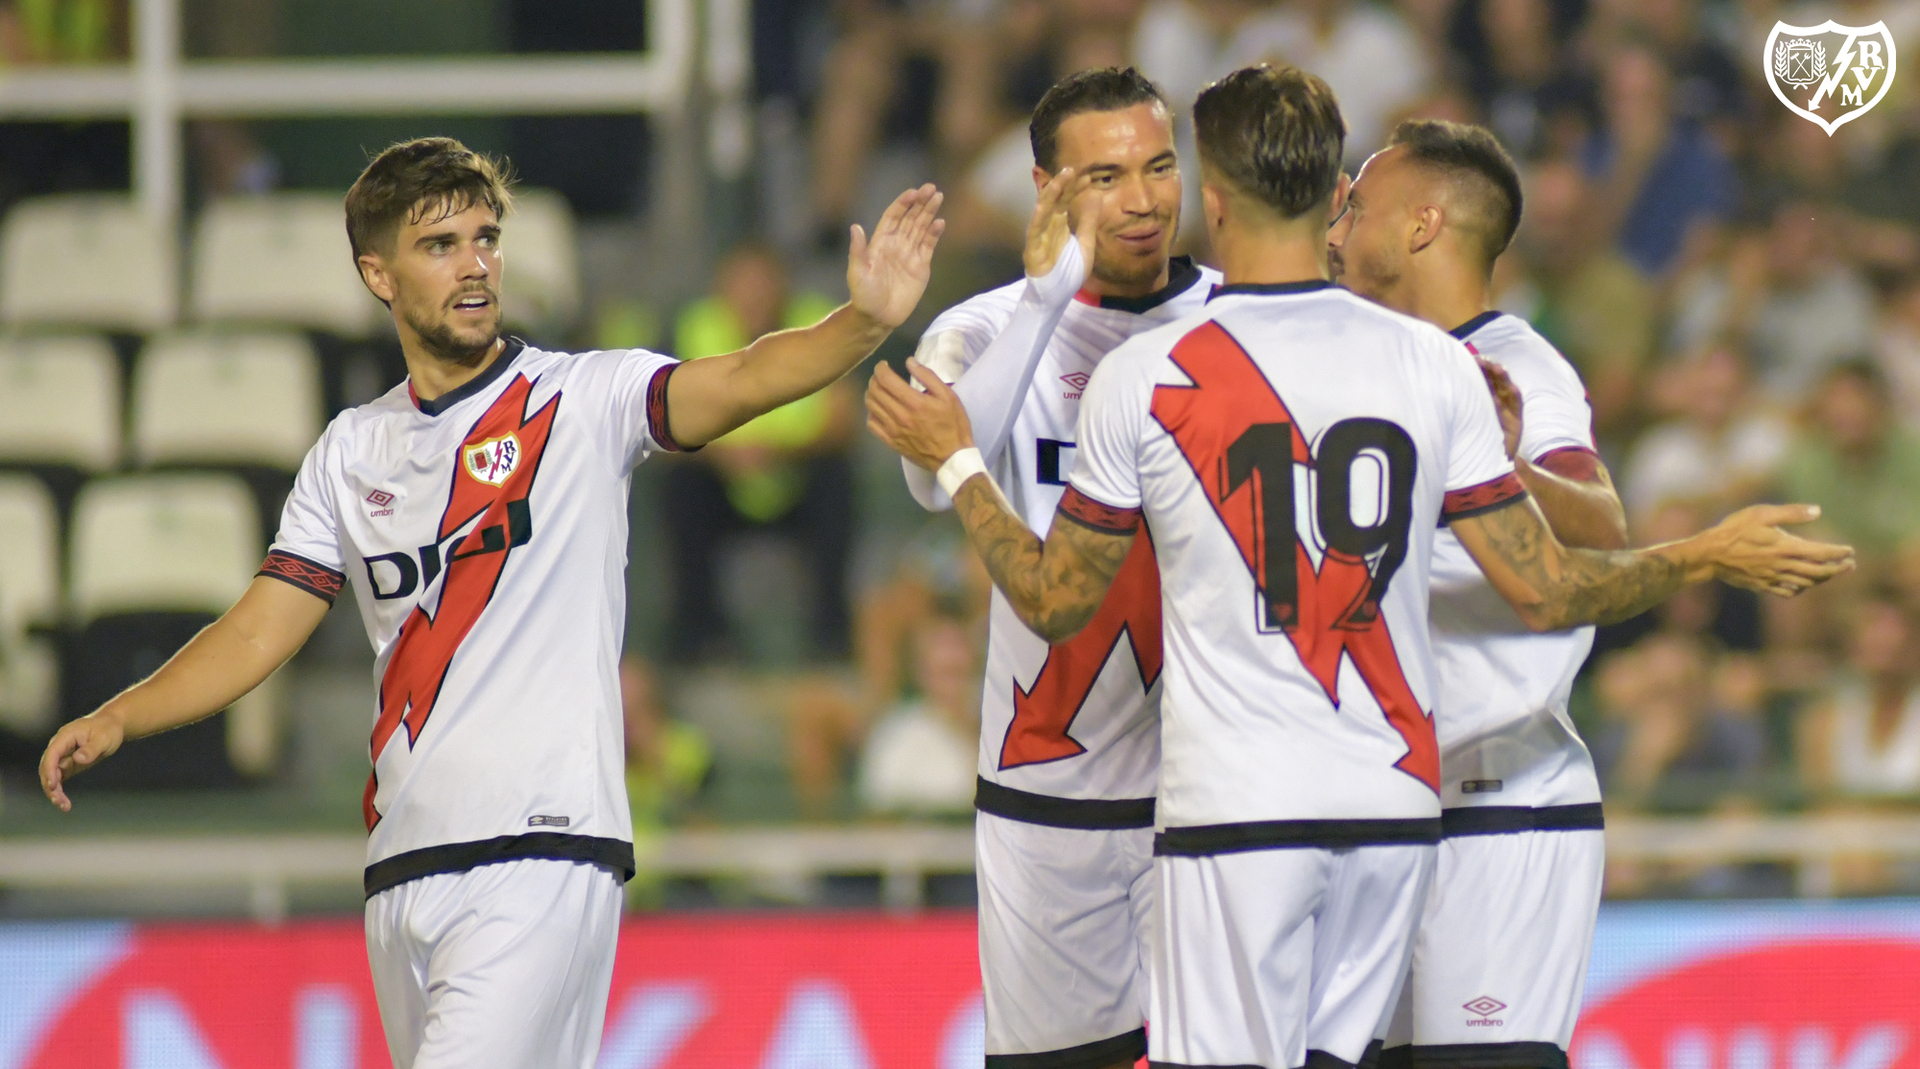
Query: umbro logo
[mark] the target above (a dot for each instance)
(1484, 1008)
(380, 498)
(1078, 380)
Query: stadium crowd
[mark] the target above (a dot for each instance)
(1739, 290)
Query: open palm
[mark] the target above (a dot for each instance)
(887, 274)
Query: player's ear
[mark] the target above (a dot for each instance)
(1424, 228)
(373, 272)
(1213, 204)
(1040, 178)
(1337, 206)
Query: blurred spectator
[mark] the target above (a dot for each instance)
(1719, 448)
(669, 765)
(1855, 462)
(1683, 729)
(1516, 61)
(938, 577)
(1861, 740)
(1373, 61)
(1896, 347)
(786, 473)
(1668, 183)
(1182, 45)
(1708, 82)
(1595, 306)
(921, 755)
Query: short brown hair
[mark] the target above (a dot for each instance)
(1473, 156)
(412, 178)
(1275, 133)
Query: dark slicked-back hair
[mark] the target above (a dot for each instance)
(1473, 156)
(1100, 89)
(1275, 133)
(413, 180)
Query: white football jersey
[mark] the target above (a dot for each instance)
(1505, 736)
(1077, 720)
(1293, 450)
(485, 536)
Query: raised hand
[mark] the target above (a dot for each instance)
(886, 274)
(1749, 549)
(1506, 403)
(1048, 231)
(925, 427)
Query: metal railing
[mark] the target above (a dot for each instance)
(158, 90)
(269, 866)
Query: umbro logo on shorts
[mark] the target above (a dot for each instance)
(1484, 1008)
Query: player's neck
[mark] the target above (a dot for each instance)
(1446, 298)
(432, 377)
(1287, 254)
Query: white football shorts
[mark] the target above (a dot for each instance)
(1500, 957)
(1064, 914)
(1282, 957)
(504, 966)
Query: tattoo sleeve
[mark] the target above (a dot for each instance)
(1055, 586)
(1554, 587)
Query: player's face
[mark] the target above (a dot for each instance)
(1366, 246)
(1134, 187)
(444, 277)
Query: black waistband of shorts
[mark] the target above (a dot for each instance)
(1092, 814)
(614, 854)
(1521, 1055)
(1316, 1059)
(1201, 840)
(1129, 1047)
(1506, 819)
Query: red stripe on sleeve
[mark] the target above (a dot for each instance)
(316, 579)
(1489, 495)
(1572, 462)
(1087, 512)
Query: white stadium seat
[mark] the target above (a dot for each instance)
(182, 542)
(217, 397)
(60, 402)
(29, 595)
(281, 258)
(541, 260)
(92, 260)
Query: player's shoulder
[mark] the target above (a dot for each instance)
(983, 313)
(1513, 343)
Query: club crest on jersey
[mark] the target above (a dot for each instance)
(1829, 74)
(493, 460)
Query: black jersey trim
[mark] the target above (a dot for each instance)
(473, 385)
(1507, 819)
(1271, 289)
(1465, 330)
(1517, 1055)
(616, 854)
(1181, 277)
(1205, 840)
(1316, 1059)
(1090, 814)
(1129, 1047)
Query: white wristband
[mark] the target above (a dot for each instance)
(960, 467)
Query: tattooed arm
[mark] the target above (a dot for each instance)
(1553, 587)
(1054, 586)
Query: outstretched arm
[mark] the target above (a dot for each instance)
(1055, 586)
(1553, 587)
(885, 276)
(235, 653)
(995, 385)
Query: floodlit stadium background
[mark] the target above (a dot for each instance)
(178, 317)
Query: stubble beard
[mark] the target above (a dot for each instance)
(445, 345)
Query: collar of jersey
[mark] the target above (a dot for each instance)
(473, 385)
(1181, 275)
(1465, 330)
(1270, 289)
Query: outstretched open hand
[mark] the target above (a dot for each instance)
(1051, 227)
(1752, 551)
(887, 273)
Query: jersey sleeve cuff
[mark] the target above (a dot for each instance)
(657, 411)
(311, 576)
(1578, 463)
(1483, 498)
(1087, 512)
